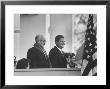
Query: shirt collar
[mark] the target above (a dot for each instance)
(59, 49)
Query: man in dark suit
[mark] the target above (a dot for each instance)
(37, 54)
(56, 54)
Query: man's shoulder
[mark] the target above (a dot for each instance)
(53, 50)
(32, 49)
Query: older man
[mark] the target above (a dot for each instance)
(37, 54)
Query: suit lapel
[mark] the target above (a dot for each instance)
(58, 52)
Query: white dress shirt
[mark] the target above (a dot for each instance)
(60, 50)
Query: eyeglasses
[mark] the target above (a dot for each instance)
(42, 40)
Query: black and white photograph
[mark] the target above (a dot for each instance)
(62, 43)
(58, 44)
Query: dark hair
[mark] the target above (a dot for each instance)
(58, 37)
(22, 63)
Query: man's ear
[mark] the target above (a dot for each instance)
(56, 42)
(38, 42)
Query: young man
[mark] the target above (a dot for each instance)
(56, 55)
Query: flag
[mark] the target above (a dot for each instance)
(89, 59)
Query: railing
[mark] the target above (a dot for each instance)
(48, 72)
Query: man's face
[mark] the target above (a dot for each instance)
(42, 41)
(60, 43)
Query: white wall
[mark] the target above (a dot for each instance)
(61, 24)
(30, 25)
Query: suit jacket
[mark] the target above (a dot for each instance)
(57, 59)
(37, 58)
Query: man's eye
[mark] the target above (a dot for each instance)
(62, 41)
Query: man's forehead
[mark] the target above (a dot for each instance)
(42, 37)
(61, 39)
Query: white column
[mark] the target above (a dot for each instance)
(47, 33)
(17, 36)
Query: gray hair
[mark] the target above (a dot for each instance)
(37, 38)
